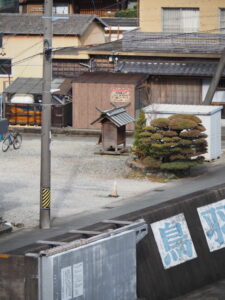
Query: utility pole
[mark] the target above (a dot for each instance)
(215, 80)
(45, 182)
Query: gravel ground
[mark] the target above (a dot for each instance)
(81, 180)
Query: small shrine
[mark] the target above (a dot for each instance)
(113, 133)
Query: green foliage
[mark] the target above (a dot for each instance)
(179, 165)
(139, 146)
(127, 13)
(169, 133)
(200, 128)
(191, 134)
(151, 162)
(187, 117)
(181, 124)
(160, 123)
(157, 136)
(150, 129)
(173, 144)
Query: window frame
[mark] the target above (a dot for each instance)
(180, 9)
(220, 10)
(9, 64)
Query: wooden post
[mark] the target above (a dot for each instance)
(215, 80)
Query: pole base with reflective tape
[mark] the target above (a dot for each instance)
(45, 208)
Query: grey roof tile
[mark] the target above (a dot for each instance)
(34, 86)
(118, 116)
(168, 68)
(122, 22)
(34, 24)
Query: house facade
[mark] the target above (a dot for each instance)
(22, 41)
(98, 7)
(182, 16)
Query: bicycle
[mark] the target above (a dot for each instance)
(11, 138)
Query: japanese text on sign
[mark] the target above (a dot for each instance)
(120, 95)
(174, 241)
(212, 218)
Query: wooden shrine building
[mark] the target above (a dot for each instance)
(114, 123)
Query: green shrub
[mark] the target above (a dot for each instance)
(181, 124)
(187, 117)
(191, 134)
(172, 144)
(160, 123)
(151, 162)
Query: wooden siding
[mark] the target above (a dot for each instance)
(70, 68)
(175, 90)
(88, 96)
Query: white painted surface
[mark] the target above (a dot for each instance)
(174, 241)
(210, 116)
(78, 280)
(219, 95)
(66, 283)
(212, 218)
(22, 98)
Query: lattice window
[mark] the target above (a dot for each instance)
(222, 19)
(180, 19)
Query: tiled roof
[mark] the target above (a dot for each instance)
(168, 68)
(122, 22)
(34, 24)
(34, 86)
(111, 78)
(118, 116)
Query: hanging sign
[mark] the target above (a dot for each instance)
(120, 95)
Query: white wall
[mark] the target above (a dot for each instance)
(219, 95)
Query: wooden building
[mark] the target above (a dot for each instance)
(113, 123)
(97, 7)
(23, 102)
(92, 90)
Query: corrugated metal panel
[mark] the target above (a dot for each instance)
(34, 86)
(102, 270)
(118, 116)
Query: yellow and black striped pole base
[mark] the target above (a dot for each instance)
(45, 208)
(45, 198)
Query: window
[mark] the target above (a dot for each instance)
(180, 19)
(5, 67)
(222, 19)
(1, 40)
(221, 84)
(60, 9)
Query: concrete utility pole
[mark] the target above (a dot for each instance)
(45, 184)
(215, 80)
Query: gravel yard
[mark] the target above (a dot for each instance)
(81, 180)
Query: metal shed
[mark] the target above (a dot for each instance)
(92, 90)
(26, 108)
(114, 123)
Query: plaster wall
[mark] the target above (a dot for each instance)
(151, 13)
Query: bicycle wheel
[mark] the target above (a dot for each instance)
(5, 143)
(17, 141)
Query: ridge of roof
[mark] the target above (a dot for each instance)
(76, 24)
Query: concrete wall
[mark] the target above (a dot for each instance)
(151, 13)
(18, 275)
(154, 281)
